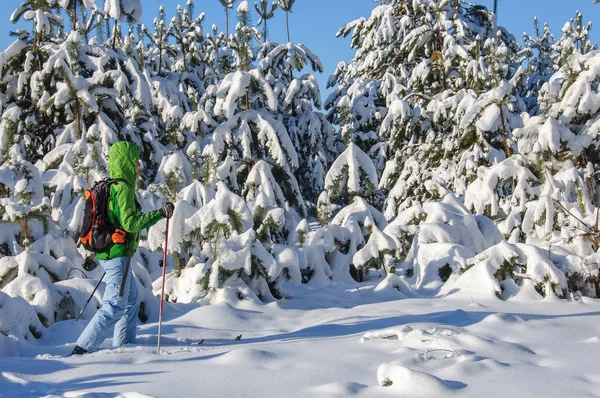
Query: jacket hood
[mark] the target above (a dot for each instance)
(122, 159)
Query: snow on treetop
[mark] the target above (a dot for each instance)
(15, 48)
(361, 211)
(225, 206)
(378, 242)
(120, 9)
(177, 165)
(243, 7)
(483, 192)
(269, 132)
(450, 221)
(352, 166)
(261, 180)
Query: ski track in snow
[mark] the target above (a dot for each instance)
(361, 344)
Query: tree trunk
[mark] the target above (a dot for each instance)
(265, 31)
(78, 111)
(226, 22)
(74, 14)
(287, 25)
(35, 49)
(114, 44)
(160, 49)
(505, 140)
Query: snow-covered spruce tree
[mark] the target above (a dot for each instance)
(418, 68)
(19, 62)
(547, 196)
(23, 204)
(351, 179)
(298, 97)
(46, 22)
(249, 131)
(575, 38)
(454, 252)
(220, 46)
(185, 241)
(174, 174)
(75, 89)
(539, 51)
(465, 126)
(230, 264)
(18, 320)
(379, 252)
(252, 153)
(26, 225)
(196, 69)
(561, 146)
(184, 83)
(169, 103)
(351, 185)
(159, 49)
(503, 192)
(343, 236)
(37, 257)
(504, 270)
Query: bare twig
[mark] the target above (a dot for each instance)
(283, 298)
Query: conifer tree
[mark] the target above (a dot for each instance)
(418, 68)
(299, 97)
(265, 13)
(249, 131)
(540, 50)
(227, 4)
(45, 22)
(286, 5)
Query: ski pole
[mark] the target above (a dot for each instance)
(162, 290)
(92, 295)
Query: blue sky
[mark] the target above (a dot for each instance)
(315, 22)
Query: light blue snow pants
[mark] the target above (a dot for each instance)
(118, 312)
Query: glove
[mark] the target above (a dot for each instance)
(167, 210)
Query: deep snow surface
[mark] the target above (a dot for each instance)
(337, 341)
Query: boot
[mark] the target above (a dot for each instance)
(78, 351)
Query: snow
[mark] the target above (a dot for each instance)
(338, 341)
(243, 7)
(120, 9)
(348, 170)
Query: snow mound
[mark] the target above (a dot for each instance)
(246, 355)
(340, 389)
(412, 383)
(18, 323)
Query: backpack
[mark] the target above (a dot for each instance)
(96, 232)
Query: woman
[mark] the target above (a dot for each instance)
(120, 308)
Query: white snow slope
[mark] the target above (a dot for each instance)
(338, 341)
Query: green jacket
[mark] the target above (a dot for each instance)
(123, 208)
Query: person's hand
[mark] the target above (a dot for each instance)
(167, 210)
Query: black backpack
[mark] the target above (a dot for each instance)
(96, 231)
